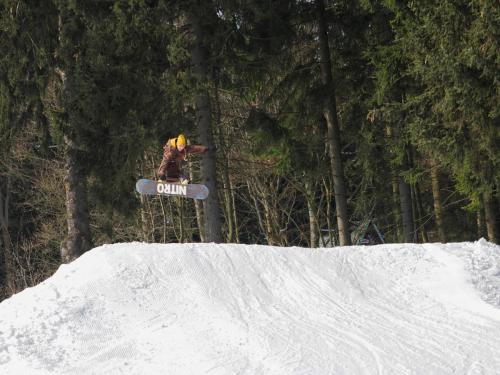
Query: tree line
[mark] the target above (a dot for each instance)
(328, 123)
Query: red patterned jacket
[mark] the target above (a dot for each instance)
(171, 165)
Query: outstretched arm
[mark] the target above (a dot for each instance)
(196, 149)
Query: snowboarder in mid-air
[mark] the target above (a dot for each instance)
(171, 181)
(174, 154)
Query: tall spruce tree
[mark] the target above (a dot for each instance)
(111, 58)
(452, 49)
(331, 117)
(198, 17)
(26, 37)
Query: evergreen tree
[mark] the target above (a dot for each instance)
(200, 59)
(23, 77)
(452, 51)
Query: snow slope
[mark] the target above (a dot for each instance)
(233, 309)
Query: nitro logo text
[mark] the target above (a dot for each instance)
(172, 189)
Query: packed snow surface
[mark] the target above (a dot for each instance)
(150, 309)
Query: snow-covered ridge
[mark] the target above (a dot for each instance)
(138, 308)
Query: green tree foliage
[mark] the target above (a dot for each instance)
(453, 52)
(435, 79)
(114, 66)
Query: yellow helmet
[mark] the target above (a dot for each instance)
(181, 140)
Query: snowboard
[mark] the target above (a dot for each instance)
(152, 187)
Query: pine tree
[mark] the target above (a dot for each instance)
(200, 61)
(451, 52)
(23, 76)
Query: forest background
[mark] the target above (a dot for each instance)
(329, 122)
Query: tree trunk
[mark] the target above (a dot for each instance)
(330, 114)
(199, 59)
(272, 238)
(234, 212)
(7, 282)
(145, 224)
(438, 206)
(198, 205)
(78, 239)
(228, 202)
(313, 219)
(396, 204)
(480, 223)
(328, 196)
(261, 193)
(406, 201)
(406, 211)
(490, 216)
(420, 213)
(147, 221)
(269, 224)
(253, 196)
(179, 203)
(226, 182)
